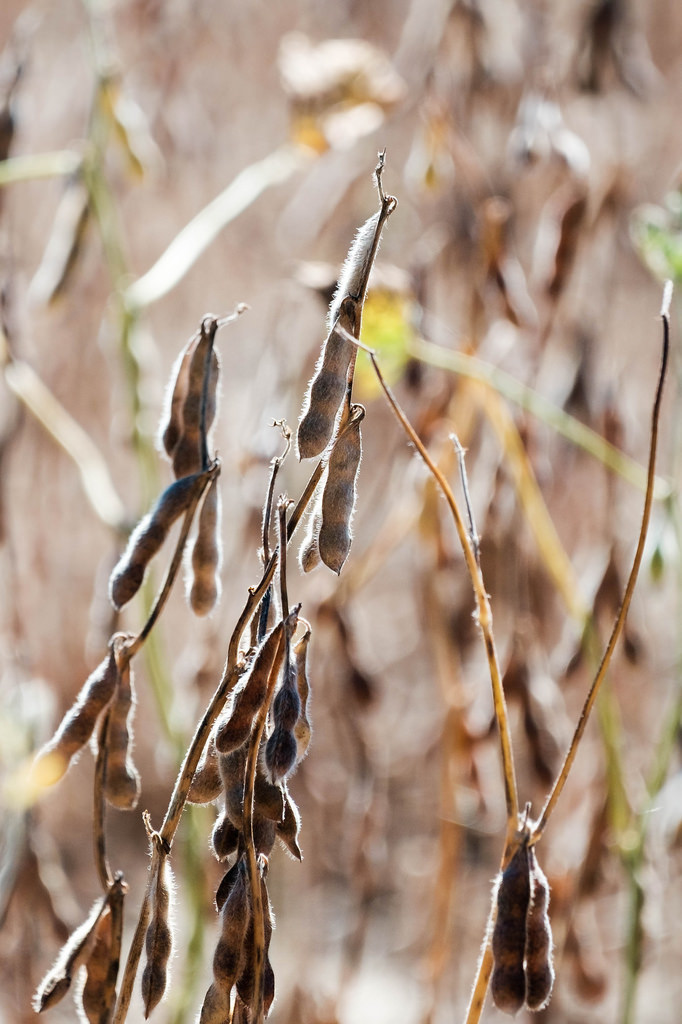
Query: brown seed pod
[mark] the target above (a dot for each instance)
(170, 427)
(122, 779)
(302, 729)
(235, 729)
(288, 828)
(264, 833)
(232, 768)
(189, 455)
(98, 994)
(268, 799)
(207, 554)
(159, 938)
(226, 883)
(357, 265)
(79, 722)
(147, 538)
(245, 983)
(224, 837)
(280, 753)
(338, 498)
(508, 982)
(234, 920)
(73, 954)
(324, 396)
(206, 783)
(309, 551)
(539, 966)
(215, 1008)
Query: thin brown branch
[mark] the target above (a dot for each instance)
(562, 777)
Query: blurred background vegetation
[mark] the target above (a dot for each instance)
(164, 160)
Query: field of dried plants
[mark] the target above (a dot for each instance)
(162, 166)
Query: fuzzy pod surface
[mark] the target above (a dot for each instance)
(508, 982)
(159, 938)
(122, 779)
(207, 553)
(79, 722)
(325, 395)
(147, 539)
(235, 729)
(539, 965)
(338, 497)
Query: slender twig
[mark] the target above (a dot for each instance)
(282, 506)
(629, 588)
(473, 533)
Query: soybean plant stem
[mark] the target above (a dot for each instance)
(630, 586)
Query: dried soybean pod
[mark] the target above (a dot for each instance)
(147, 538)
(226, 883)
(204, 371)
(302, 729)
(268, 799)
(356, 268)
(539, 966)
(234, 920)
(98, 995)
(245, 984)
(338, 498)
(325, 395)
(309, 551)
(159, 938)
(206, 783)
(78, 723)
(122, 779)
(215, 1008)
(235, 729)
(224, 837)
(232, 770)
(72, 955)
(207, 554)
(508, 983)
(280, 753)
(264, 833)
(289, 827)
(170, 427)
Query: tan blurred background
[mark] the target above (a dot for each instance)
(535, 151)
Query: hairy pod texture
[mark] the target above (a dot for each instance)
(206, 783)
(147, 538)
(539, 966)
(302, 729)
(79, 722)
(338, 497)
(224, 837)
(508, 982)
(281, 748)
(233, 731)
(289, 827)
(309, 551)
(98, 995)
(72, 955)
(197, 403)
(159, 938)
(235, 915)
(325, 395)
(245, 981)
(355, 270)
(207, 554)
(122, 779)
